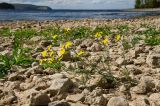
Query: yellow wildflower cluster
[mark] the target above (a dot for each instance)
(118, 38)
(67, 30)
(68, 44)
(98, 34)
(48, 56)
(54, 36)
(62, 52)
(81, 52)
(65, 47)
(106, 39)
(44, 53)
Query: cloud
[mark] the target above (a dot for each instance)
(79, 4)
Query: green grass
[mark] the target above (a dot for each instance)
(78, 33)
(152, 35)
(56, 66)
(5, 32)
(22, 56)
(5, 65)
(25, 33)
(19, 55)
(50, 31)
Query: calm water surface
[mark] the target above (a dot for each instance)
(71, 15)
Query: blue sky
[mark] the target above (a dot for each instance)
(79, 4)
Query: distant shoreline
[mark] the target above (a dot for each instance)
(96, 10)
(144, 10)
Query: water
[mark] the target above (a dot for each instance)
(71, 15)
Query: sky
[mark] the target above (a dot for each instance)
(79, 4)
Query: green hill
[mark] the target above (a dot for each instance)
(31, 7)
(24, 7)
(6, 6)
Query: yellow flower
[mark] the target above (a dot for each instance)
(118, 37)
(68, 44)
(54, 36)
(98, 34)
(44, 53)
(41, 61)
(50, 60)
(45, 60)
(62, 51)
(105, 41)
(49, 48)
(67, 29)
(80, 53)
(51, 53)
(63, 46)
(60, 58)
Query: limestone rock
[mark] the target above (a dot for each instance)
(34, 70)
(59, 103)
(35, 64)
(15, 77)
(146, 85)
(139, 61)
(57, 76)
(49, 71)
(14, 85)
(77, 42)
(117, 101)
(134, 69)
(36, 39)
(98, 100)
(95, 98)
(60, 83)
(26, 96)
(157, 85)
(86, 43)
(75, 98)
(95, 47)
(141, 101)
(7, 98)
(155, 97)
(148, 81)
(96, 81)
(1, 48)
(45, 43)
(40, 99)
(153, 60)
(6, 52)
(120, 61)
(141, 29)
(77, 104)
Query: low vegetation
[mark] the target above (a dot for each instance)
(64, 38)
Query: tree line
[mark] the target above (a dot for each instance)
(147, 4)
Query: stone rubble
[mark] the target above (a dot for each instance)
(35, 86)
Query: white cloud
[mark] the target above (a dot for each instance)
(79, 4)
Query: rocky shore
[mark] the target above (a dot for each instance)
(35, 86)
